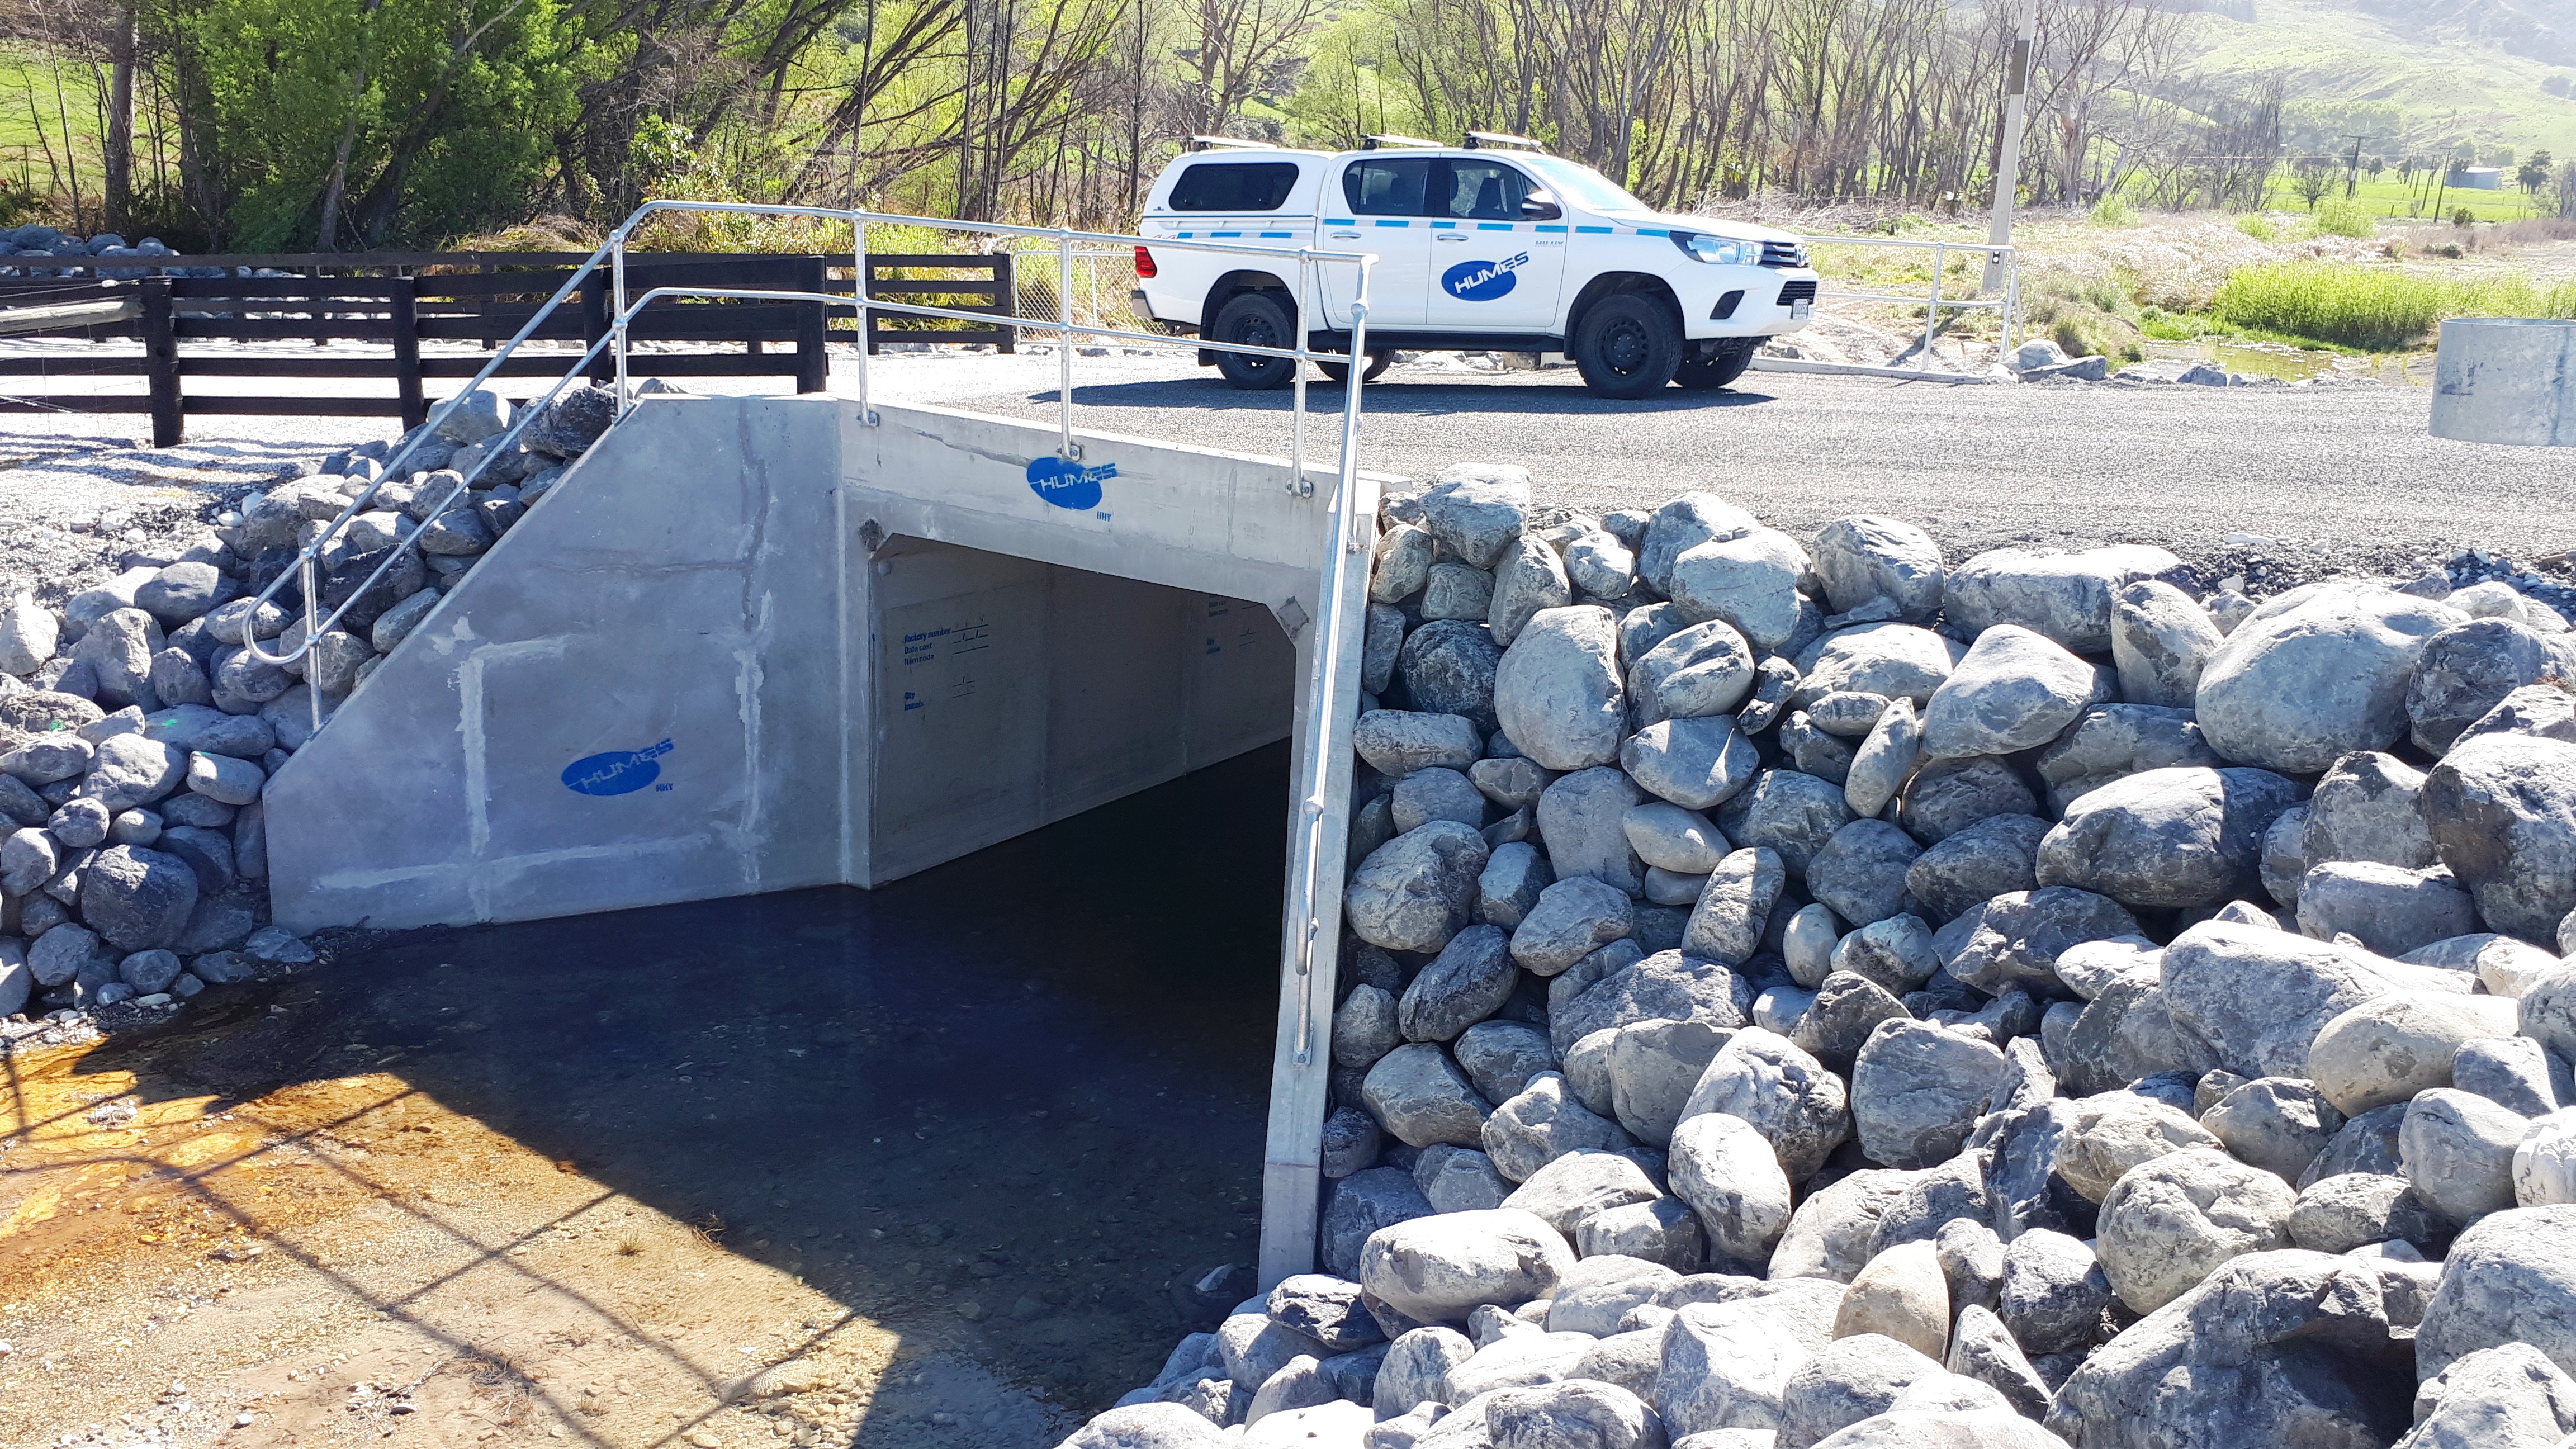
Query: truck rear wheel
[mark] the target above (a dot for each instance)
(1379, 360)
(1723, 364)
(1256, 319)
(1628, 346)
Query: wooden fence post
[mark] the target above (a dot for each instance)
(1006, 299)
(405, 307)
(161, 365)
(813, 359)
(594, 324)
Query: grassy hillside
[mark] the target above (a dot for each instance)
(2423, 76)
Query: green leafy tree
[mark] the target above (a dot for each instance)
(2312, 178)
(2534, 173)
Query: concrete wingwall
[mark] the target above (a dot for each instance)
(755, 644)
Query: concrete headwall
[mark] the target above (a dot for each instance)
(752, 644)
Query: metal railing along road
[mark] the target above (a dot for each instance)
(2007, 304)
(1332, 621)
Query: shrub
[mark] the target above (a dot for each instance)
(2084, 331)
(2256, 225)
(2374, 307)
(2114, 210)
(2462, 216)
(2344, 218)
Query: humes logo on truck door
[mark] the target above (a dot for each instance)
(1483, 281)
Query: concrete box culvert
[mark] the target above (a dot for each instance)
(2506, 380)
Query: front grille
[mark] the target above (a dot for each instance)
(1799, 291)
(1784, 254)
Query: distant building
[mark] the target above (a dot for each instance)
(2477, 178)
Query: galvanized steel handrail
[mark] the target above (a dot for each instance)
(2008, 305)
(1332, 622)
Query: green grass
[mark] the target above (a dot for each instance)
(2376, 308)
(2114, 210)
(2258, 226)
(2344, 218)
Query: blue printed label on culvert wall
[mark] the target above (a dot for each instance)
(617, 772)
(1483, 281)
(1068, 484)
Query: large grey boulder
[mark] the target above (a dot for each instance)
(1987, 858)
(2367, 1143)
(2066, 596)
(1365, 1028)
(1600, 1290)
(2015, 690)
(29, 634)
(1750, 581)
(1663, 1231)
(2468, 669)
(2174, 838)
(1478, 509)
(1727, 1172)
(1917, 1089)
(1414, 892)
(1398, 742)
(2503, 814)
(2514, 1072)
(2353, 1209)
(1447, 666)
(2278, 1124)
(1468, 981)
(1682, 525)
(1787, 812)
(1834, 1228)
(1896, 952)
(2457, 1150)
(1435, 794)
(1799, 1107)
(2507, 1397)
(2110, 1134)
(1440, 1268)
(1902, 1294)
(2391, 1047)
(1893, 661)
(2169, 1223)
(1582, 820)
(1402, 563)
(1545, 1123)
(1723, 1369)
(1885, 758)
(1728, 920)
(1865, 557)
(2510, 1278)
(1848, 1007)
(1857, 1377)
(2315, 674)
(1981, 1348)
(2160, 638)
(1697, 763)
(1571, 919)
(2368, 807)
(2389, 909)
(1669, 984)
(1381, 639)
(2547, 1012)
(1528, 578)
(2110, 742)
(2259, 997)
(2505, 966)
(1459, 1179)
(1573, 1187)
(1147, 1426)
(1860, 871)
(2019, 936)
(1704, 669)
(2054, 1292)
(1508, 888)
(1421, 1097)
(1668, 837)
(1558, 1415)
(1557, 691)
(1950, 1426)
(136, 899)
(132, 770)
(2284, 1347)
(1947, 796)
(1654, 1067)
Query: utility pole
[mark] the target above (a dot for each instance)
(2352, 173)
(2008, 155)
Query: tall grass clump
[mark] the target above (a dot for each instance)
(2114, 210)
(2344, 218)
(2256, 225)
(2374, 308)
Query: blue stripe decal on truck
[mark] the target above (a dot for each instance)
(1605, 231)
(1549, 226)
(1339, 221)
(1288, 234)
(1493, 226)
(1225, 233)
(1652, 231)
(1384, 222)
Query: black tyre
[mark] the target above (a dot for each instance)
(1380, 359)
(1628, 346)
(1257, 319)
(1723, 365)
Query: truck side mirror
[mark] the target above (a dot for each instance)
(1539, 206)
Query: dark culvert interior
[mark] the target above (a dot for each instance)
(1034, 1078)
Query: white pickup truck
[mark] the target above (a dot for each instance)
(1480, 246)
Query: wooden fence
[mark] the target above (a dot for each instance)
(476, 298)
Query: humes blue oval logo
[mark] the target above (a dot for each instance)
(617, 772)
(1483, 281)
(1066, 483)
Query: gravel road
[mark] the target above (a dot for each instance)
(2346, 473)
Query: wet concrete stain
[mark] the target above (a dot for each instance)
(1011, 1107)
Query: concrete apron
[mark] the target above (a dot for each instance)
(753, 644)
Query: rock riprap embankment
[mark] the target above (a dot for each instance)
(138, 734)
(1868, 1001)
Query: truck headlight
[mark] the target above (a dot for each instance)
(1717, 250)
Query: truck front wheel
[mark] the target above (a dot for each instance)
(1628, 346)
(1379, 359)
(1256, 319)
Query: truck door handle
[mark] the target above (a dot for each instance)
(1447, 236)
(1344, 235)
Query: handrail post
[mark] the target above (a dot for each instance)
(312, 687)
(859, 308)
(617, 321)
(1932, 312)
(1066, 446)
(1299, 334)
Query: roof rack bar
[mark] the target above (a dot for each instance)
(1210, 143)
(1372, 143)
(1494, 140)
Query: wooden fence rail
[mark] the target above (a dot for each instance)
(475, 298)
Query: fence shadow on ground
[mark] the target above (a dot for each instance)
(1558, 395)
